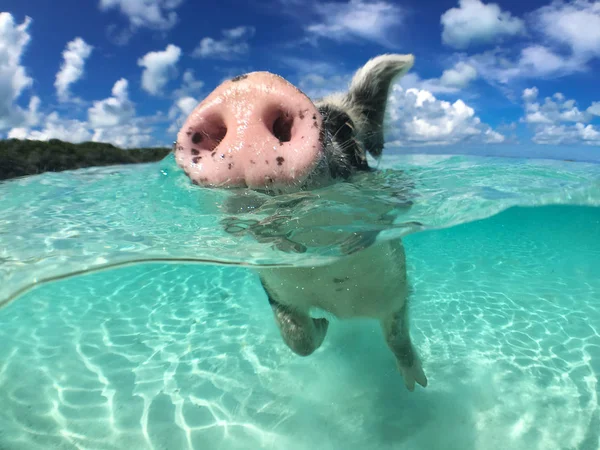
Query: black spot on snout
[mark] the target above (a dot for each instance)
(197, 159)
(280, 160)
(239, 78)
(229, 166)
(195, 151)
(197, 138)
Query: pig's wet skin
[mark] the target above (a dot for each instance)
(260, 132)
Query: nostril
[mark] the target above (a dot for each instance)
(209, 134)
(282, 126)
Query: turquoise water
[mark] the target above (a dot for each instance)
(503, 257)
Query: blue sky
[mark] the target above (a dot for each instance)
(508, 77)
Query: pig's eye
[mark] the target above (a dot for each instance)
(338, 123)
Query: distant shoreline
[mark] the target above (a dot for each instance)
(26, 157)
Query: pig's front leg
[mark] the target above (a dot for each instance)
(302, 333)
(397, 336)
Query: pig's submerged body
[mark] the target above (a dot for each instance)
(346, 288)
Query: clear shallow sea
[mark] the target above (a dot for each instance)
(503, 256)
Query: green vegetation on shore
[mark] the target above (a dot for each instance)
(25, 157)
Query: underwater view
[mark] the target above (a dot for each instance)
(147, 352)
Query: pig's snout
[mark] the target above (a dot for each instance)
(256, 131)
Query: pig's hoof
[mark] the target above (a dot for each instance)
(413, 374)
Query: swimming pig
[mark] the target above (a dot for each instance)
(260, 132)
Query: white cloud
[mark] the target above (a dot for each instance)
(553, 110)
(538, 60)
(568, 38)
(318, 86)
(72, 68)
(71, 130)
(475, 22)
(575, 24)
(309, 66)
(153, 14)
(110, 120)
(55, 127)
(451, 81)
(159, 68)
(567, 134)
(126, 136)
(534, 61)
(416, 117)
(190, 86)
(594, 109)
(368, 20)
(13, 76)
(185, 100)
(459, 76)
(558, 120)
(179, 111)
(233, 45)
(317, 78)
(113, 111)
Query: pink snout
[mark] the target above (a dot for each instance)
(256, 131)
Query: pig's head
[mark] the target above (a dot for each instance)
(259, 131)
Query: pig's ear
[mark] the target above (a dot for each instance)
(368, 94)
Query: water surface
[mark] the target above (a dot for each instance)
(502, 255)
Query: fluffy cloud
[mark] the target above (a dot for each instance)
(159, 68)
(181, 109)
(110, 120)
(55, 127)
(575, 24)
(72, 68)
(594, 109)
(233, 45)
(13, 76)
(113, 111)
(134, 134)
(370, 20)
(416, 117)
(475, 22)
(459, 76)
(567, 39)
(558, 120)
(189, 86)
(534, 61)
(317, 78)
(318, 86)
(451, 81)
(153, 14)
(185, 100)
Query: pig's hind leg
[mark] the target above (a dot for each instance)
(302, 333)
(397, 336)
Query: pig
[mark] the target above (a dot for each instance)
(260, 132)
